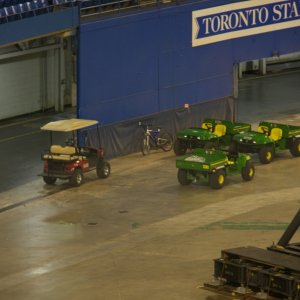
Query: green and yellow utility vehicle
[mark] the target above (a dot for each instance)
(212, 134)
(213, 166)
(268, 138)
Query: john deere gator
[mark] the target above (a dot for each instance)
(269, 138)
(212, 166)
(212, 134)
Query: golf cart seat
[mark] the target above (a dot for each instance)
(220, 130)
(276, 134)
(58, 152)
(57, 149)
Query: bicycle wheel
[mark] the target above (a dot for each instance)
(145, 146)
(165, 141)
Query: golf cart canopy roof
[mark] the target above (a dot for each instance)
(68, 125)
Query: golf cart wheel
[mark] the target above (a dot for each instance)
(145, 147)
(165, 141)
(217, 179)
(266, 154)
(49, 180)
(182, 177)
(77, 178)
(248, 171)
(103, 169)
(295, 148)
(179, 147)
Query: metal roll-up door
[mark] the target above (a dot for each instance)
(20, 86)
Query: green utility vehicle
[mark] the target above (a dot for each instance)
(268, 138)
(213, 166)
(212, 134)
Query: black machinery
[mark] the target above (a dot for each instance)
(254, 273)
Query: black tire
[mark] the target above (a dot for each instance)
(179, 147)
(182, 177)
(49, 180)
(295, 148)
(233, 148)
(103, 169)
(266, 154)
(144, 147)
(76, 178)
(248, 171)
(217, 179)
(165, 141)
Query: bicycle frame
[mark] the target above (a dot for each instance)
(155, 138)
(152, 135)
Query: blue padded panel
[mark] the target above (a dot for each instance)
(144, 63)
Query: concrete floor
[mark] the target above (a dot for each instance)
(138, 234)
(272, 96)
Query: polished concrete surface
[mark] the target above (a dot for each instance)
(138, 234)
(272, 96)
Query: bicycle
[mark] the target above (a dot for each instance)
(155, 138)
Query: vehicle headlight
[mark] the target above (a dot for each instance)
(198, 138)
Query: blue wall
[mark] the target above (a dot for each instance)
(144, 63)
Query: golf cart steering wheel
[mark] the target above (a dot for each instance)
(70, 142)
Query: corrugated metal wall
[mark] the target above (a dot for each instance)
(29, 82)
(20, 85)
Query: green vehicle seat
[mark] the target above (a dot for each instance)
(220, 130)
(276, 134)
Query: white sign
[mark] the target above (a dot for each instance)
(241, 19)
(195, 158)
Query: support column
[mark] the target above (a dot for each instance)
(44, 80)
(262, 66)
(68, 71)
(62, 80)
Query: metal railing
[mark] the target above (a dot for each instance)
(116, 7)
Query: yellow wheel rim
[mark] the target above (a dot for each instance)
(298, 148)
(221, 179)
(251, 172)
(269, 155)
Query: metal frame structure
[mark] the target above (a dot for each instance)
(254, 273)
